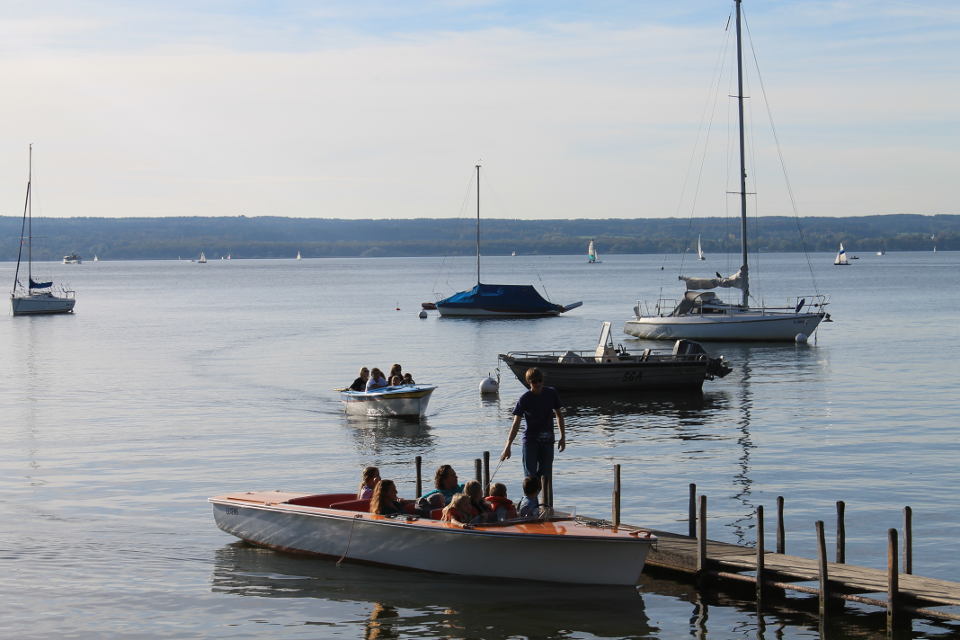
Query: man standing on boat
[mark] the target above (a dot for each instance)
(537, 407)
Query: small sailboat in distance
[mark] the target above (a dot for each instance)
(841, 259)
(298, 256)
(202, 259)
(700, 255)
(592, 254)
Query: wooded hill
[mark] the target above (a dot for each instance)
(275, 237)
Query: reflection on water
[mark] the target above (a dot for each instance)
(375, 435)
(413, 604)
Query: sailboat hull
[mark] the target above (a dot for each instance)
(41, 304)
(747, 326)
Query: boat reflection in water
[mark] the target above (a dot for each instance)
(377, 435)
(398, 603)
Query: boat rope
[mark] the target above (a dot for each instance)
(349, 538)
(497, 468)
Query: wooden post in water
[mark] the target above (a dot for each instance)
(616, 495)
(907, 540)
(702, 539)
(841, 534)
(781, 537)
(760, 552)
(419, 476)
(478, 469)
(692, 511)
(822, 566)
(893, 579)
(486, 471)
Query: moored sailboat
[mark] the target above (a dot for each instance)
(37, 298)
(498, 300)
(700, 314)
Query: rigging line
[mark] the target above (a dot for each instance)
(441, 272)
(714, 93)
(783, 165)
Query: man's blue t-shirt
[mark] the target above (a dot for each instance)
(537, 411)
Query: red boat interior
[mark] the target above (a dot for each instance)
(349, 502)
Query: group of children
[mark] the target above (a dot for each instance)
(374, 379)
(462, 504)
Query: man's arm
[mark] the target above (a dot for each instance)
(514, 428)
(562, 442)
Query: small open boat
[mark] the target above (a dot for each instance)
(612, 369)
(404, 400)
(555, 549)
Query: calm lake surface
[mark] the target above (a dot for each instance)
(175, 381)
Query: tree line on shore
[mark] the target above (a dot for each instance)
(278, 237)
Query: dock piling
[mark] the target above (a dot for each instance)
(692, 511)
(893, 579)
(702, 539)
(486, 470)
(760, 552)
(822, 566)
(616, 495)
(841, 533)
(907, 540)
(781, 536)
(419, 476)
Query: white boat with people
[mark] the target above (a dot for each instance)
(72, 259)
(701, 315)
(403, 400)
(611, 369)
(555, 548)
(36, 298)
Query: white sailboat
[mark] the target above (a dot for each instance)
(701, 315)
(202, 259)
(298, 256)
(841, 259)
(36, 298)
(592, 257)
(700, 255)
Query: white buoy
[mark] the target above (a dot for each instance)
(423, 313)
(489, 385)
(800, 338)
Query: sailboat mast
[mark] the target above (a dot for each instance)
(30, 221)
(743, 168)
(478, 224)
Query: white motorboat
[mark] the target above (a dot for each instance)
(611, 369)
(556, 549)
(72, 259)
(37, 298)
(403, 400)
(701, 315)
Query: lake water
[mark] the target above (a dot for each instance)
(175, 381)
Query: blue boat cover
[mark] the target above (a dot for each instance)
(40, 285)
(501, 298)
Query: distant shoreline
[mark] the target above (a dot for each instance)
(276, 237)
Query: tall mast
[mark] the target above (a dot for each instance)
(743, 169)
(30, 221)
(478, 224)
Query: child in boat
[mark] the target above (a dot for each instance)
(360, 384)
(445, 483)
(458, 511)
(396, 381)
(369, 480)
(395, 370)
(408, 379)
(376, 380)
(385, 501)
(478, 507)
(529, 506)
(500, 507)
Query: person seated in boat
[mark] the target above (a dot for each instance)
(500, 506)
(478, 507)
(427, 504)
(369, 480)
(458, 511)
(395, 370)
(445, 483)
(376, 381)
(385, 501)
(408, 379)
(396, 381)
(529, 506)
(360, 384)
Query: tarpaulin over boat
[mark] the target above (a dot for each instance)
(500, 298)
(735, 281)
(40, 285)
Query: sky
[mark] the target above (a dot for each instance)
(381, 109)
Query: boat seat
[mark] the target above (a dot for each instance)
(436, 514)
(352, 505)
(322, 499)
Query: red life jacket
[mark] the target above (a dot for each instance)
(497, 502)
